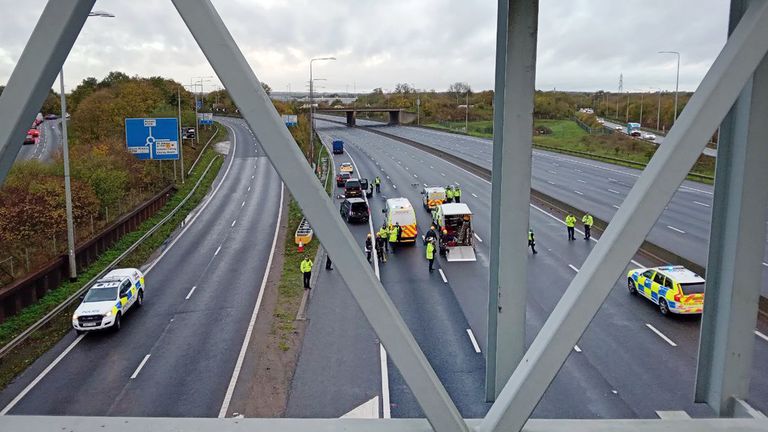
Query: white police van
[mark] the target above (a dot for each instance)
(107, 301)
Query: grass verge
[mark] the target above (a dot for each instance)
(46, 337)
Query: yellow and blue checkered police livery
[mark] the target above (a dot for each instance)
(674, 289)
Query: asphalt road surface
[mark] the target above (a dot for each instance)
(176, 355)
(46, 145)
(631, 361)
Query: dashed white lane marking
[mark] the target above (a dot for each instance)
(474, 195)
(190, 292)
(252, 177)
(478, 237)
(425, 185)
(442, 275)
(576, 348)
(442, 174)
(217, 251)
(243, 204)
(473, 340)
(573, 267)
(613, 191)
(765, 264)
(141, 365)
(611, 179)
(249, 188)
(42, 375)
(431, 167)
(761, 336)
(578, 192)
(552, 172)
(675, 229)
(394, 186)
(701, 204)
(580, 181)
(615, 206)
(233, 222)
(661, 335)
(550, 182)
(388, 178)
(415, 176)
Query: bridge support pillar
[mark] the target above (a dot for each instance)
(351, 118)
(736, 245)
(394, 117)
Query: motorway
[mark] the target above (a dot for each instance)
(47, 144)
(176, 355)
(631, 361)
(659, 140)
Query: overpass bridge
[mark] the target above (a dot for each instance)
(351, 113)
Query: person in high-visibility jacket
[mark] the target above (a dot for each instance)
(531, 241)
(449, 194)
(306, 271)
(377, 183)
(587, 221)
(393, 236)
(570, 223)
(384, 235)
(431, 253)
(457, 194)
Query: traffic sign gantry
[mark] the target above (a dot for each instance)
(152, 138)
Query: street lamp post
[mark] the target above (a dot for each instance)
(658, 113)
(311, 109)
(65, 154)
(466, 115)
(677, 80)
(642, 95)
(627, 117)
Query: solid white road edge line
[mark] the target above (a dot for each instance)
(578, 193)
(675, 229)
(478, 237)
(761, 335)
(474, 195)
(661, 335)
(247, 339)
(442, 275)
(573, 267)
(190, 292)
(576, 348)
(473, 340)
(141, 365)
(42, 375)
(701, 204)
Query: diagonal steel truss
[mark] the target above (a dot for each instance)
(747, 45)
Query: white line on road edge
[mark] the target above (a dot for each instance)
(190, 292)
(42, 375)
(701, 204)
(247, 339)
(442, 275)
(578, 192)
(675, 229)
(576, 348)
(573, 267)
(765, 264)
(478, 237)
(615, 206)
(141, 365)
(473, 340)
(474, 195)
(761, 336)
(217, 251)
(661, 335)
(385, 408)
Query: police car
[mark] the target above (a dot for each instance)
(675, 289)
(107, 301)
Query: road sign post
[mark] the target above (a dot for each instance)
(150, 138)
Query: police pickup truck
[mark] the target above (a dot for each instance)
(107, 301)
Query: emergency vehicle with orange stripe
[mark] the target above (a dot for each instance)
(433, 196)
(400, 211)
(674, 289)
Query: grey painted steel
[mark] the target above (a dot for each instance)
(739, 58)
(234, 72)
(35, 72)
(511, 190)
(67, 183)
(736, 245)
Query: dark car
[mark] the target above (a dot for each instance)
(29, 139)
(354, 209)
(341, 179)
(51, 117)
(352, 188)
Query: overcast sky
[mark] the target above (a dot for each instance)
(583, 44)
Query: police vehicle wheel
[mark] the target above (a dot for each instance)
(631, 286)
(663, 307)
(140, 300)
(116, 326)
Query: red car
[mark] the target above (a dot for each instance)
(29, 139)
(34, 133)
(341, 179)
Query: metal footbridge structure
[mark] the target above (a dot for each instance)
(733, 96)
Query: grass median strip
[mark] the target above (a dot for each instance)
(45, 338)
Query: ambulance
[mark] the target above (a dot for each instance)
(400, 211)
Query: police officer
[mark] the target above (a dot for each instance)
(449, 194)
(384, 236)
(306, 271)
(377, 182)
(531, 241)
(393, 236)
(587, 221)
(457, 194)
(431, 253)
(379, 243)
(570, 223)
(368, 247)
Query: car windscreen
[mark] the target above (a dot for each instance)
(693, 288)
(100, 295)
(352, 184)
(359, 207)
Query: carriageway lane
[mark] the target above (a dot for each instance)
(47, 144)
(169, 360)
(682, 228)
(621, 319)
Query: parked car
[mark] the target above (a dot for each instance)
(649, 136)
(29, 139)
(51, 117)
(34, 132)
(635, 133)
(353, 188)
(346, 167)
(354, 210)
(341, 178)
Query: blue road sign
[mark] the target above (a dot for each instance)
(149, 138)
(205, 118)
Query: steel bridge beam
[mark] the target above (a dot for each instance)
(733, 67)
(33, 76)
(736, 245)
(516, 34)
(233, 70)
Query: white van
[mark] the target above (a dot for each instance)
(400, 211)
